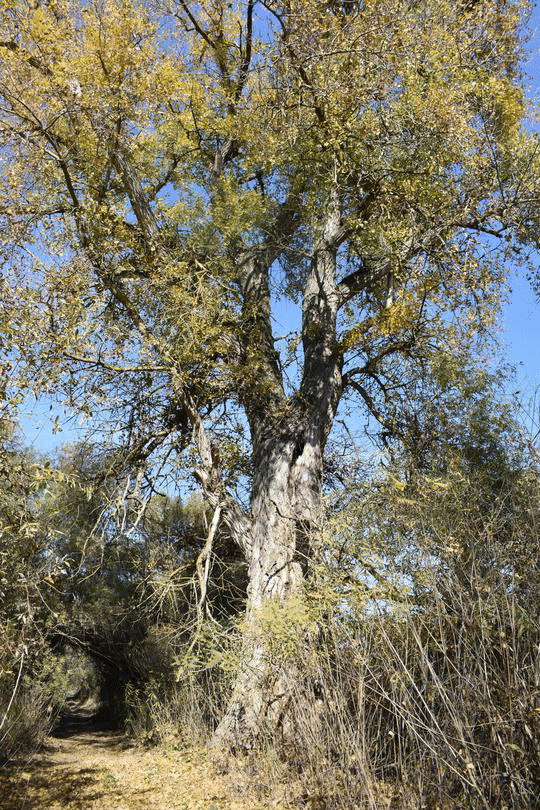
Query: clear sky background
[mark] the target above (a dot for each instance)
(520, 333)
(521, 321)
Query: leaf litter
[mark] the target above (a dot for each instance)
(99, 770)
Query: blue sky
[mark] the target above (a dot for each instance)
(521, 335)
(521, 321)
(520, 327)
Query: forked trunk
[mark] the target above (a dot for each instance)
(288, 438)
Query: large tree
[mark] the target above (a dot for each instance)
(172, 171)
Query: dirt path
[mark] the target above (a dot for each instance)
(95, 770)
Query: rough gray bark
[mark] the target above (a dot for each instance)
(284, 512)
(288, 439)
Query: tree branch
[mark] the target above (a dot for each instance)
(10, 45)
(356, 282)
(370, 403)
(244, 69)
(203, 566)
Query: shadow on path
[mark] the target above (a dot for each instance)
(83, 720)
(32, 788)
(57, 776)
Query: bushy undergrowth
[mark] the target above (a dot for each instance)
(422, 687)
(31, 678)
(181, 690)
(32, 693)
(419, 689)
(439, 711)
(432, 694)
(433, 706)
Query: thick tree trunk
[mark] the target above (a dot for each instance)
(285, 507)
(288, 439)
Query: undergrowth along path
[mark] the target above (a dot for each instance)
(97, 770)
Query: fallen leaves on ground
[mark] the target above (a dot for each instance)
(97, 771)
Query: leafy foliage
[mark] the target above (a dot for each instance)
(31, 679)
(152, 151)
